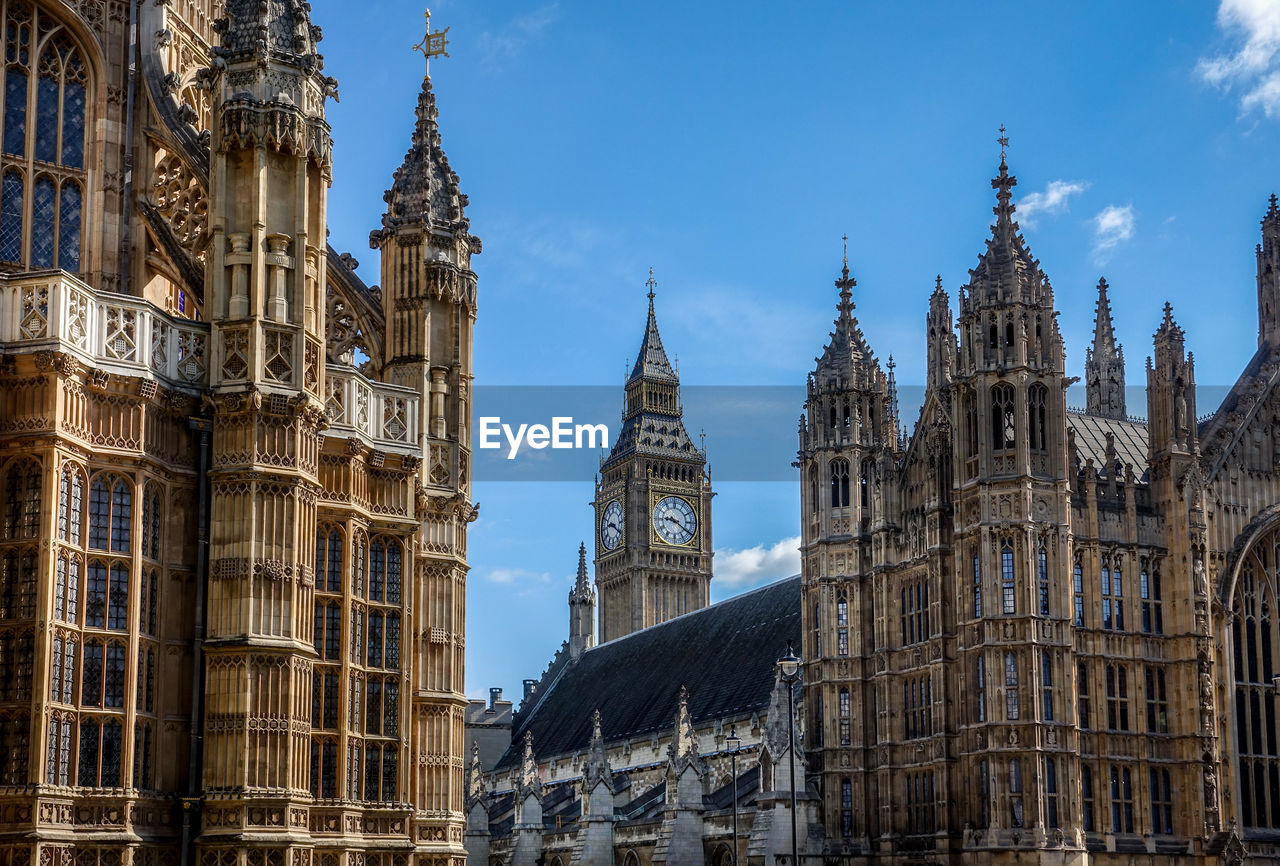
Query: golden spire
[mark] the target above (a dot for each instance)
(432, 44)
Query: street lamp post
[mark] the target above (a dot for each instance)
(734, 742)
(789, 667)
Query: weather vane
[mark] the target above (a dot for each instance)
(432, 44)
(1003, 140)
(651, 283)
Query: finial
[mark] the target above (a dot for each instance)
(432, 44)
(651, 283)
(1003, 141)
(938, 285)
(702, 435)
(891, 365)
(845, 238)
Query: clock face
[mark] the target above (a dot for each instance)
(611, 526)
(674, 520)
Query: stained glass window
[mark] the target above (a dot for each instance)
(113, 691)
(11, 217)
(142, 757)
(43, 213)
(15, 111)
(91, 675)
(45, 124)
(47, 112)
(121, 516)
(118, 598)
(22, 500)
(377, 570)
(99, 514)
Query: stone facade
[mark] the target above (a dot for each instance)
(1034, 634)
(235, 480)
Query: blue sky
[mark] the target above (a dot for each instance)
(730, 145)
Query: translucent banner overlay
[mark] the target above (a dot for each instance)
(751, 431)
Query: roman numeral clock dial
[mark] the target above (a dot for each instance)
(611, 526)
(674, 520)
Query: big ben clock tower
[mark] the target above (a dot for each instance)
(653, 504)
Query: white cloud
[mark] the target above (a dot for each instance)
(1254, 27)
(759, 564)
(1111, 226)
(511, 576)
(507, 42)
(1052, 201)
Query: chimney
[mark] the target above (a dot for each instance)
(495, 695)
(530, 686)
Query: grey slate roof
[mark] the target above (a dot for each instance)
(1091, 441)
(725, 654)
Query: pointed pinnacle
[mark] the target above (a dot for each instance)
(1273, 212)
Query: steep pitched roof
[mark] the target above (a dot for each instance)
(424, 189)
(847, 357)
(1006, 269)
(652, 361)
(724, 654)
(1130, 438)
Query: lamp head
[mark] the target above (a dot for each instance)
(789, 665)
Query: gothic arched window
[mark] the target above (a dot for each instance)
(1008, 598)
(1042, 579)
(1011, 687)
(1254, 644)
(1002, 426)
(839, 483)
(110, 514)
(45, 85)
(151, 511)
(1037, 397)
(22, 500)
(71, 504)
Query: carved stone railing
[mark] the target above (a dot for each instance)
(384, 415)
(123, 334)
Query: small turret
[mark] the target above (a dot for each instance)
(941, 339)
(1104, 364)
(1269, 277)
(1171, 391)
(582, 610)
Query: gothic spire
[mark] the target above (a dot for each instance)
(651, 362)
(848, 351)
(652, 416)
(1104, 334)
(424, 190)
(1006, 269)
(582, 585)
(1104, 364)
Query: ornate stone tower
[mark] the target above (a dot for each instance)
(582, 610)
(269, 171)
(653, 503)
(1104, 364)
(429, 303)
(847, 430)
(1013, 533)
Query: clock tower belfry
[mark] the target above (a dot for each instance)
(652, 503)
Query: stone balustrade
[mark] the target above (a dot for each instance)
(386, 415)
(123, 334)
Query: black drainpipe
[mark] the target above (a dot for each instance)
(203, 428)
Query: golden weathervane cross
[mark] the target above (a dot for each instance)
(432, 44)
